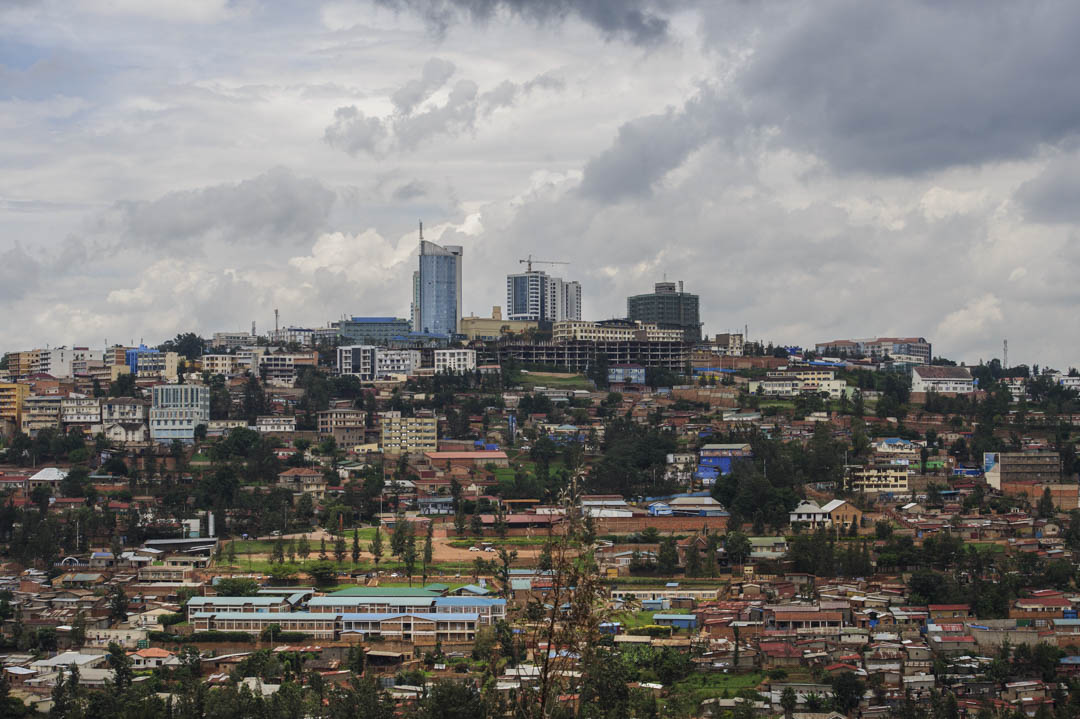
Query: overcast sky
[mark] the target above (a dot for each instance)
(814, 170)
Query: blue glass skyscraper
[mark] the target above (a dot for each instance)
(437, 289)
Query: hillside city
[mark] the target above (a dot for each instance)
(530, 514)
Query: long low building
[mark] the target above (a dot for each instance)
(413, 627)
(488, 610)
(237, 604)
(418, 627)
(317, 625)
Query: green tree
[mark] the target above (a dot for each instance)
(303, 547)
(848, 690)
(408, 553)
(356, 546)
(376, 548)
(428, 551)
(737, 546)
(788, 701)
(339, 549)
(668, 557)
(120, 663)
(118, 604)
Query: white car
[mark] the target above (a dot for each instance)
(489, 549)
(474, 549)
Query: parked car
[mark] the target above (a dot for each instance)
(474, 549)
(489, 549)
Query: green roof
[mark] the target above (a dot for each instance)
(384, 592)
(436, 587)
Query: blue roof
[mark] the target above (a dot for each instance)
(1070, 660)
(675, 617)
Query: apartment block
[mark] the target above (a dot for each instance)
(878, 478)
(77, 409)
(406, 435)
(280, 368)
(12, 397)
(455, 360)
(177, 410)
(41, 412)
(220, 364)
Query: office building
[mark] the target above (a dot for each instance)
(371, 330)
(494, 327)
(437, 287)
(535, 296)
(613, 330)
(878, 348)
(143, 361)
(1005, 468)
(177, 410)
(669, 308)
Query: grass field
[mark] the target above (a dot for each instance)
(263, 566)
(633, 620)
(560, 381)
(707, 685)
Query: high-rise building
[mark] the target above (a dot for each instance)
(535, 296)
(437, 289)
(669, 308)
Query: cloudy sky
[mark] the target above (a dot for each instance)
(813, 170)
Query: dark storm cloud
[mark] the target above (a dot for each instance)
(633, 19)
(275, 206)
(902, 88)
(1054, 196)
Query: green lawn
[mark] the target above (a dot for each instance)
(508, 542)
(633, 620)
(707, 685)
(262, 566)
(567, 381)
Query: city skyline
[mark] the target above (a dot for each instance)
(257, 157)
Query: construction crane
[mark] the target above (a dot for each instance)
(529, 263)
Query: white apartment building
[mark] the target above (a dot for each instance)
(358, 360)
(232, 340)
(177, 410)
(396, 362)
(455, 360)
(275, 423)
(55, 361)
(80, 409)
(124, 409)
(957, 380)
(280, 368)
